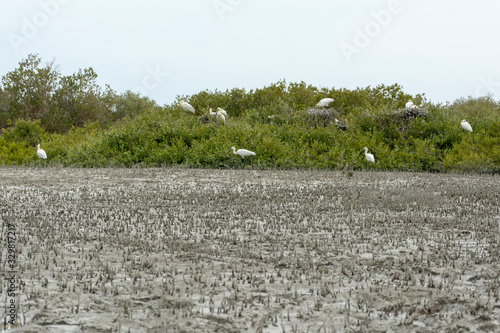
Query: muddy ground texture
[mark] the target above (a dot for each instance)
(176, 250)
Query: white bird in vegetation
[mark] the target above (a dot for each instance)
(41, 153)
(340, 126)
(369, 157)
(186, 106)
(410, 106)
(242, 152)
(222, 111)
(324, 102)
(221, 116)
(465, 125)
(211, 113)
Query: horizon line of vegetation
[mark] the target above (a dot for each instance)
(82, 125)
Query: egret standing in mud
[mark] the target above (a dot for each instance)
(324, 102)
(466, 126)
(186, 106)
(41, 153)
(242, 152)
(369, 157)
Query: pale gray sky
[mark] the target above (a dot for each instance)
(445, 49)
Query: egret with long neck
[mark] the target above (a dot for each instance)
(242, 152)
(369, 157)
(41, 153)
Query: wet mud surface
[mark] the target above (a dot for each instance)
(182, 250)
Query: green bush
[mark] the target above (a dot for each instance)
(18, 144)
(28, 131)
(274, 122)
(36, 92)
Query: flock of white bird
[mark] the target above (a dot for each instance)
(465, 125)
(221, 115)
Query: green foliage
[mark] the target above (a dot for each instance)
(18, 143)
(78, 100)
(273, 122)
(26, 91)
(14, 153)
(130, 104)
(32, 92)
(27, 131)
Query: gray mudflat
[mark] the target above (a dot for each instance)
(175, 250)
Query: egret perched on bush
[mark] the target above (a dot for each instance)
(220, 115)
(220, 110)
(41, 153)
(369, 157)
(242, 152)
(324, 102)
(410, 106)
(186, 106)
(465, 125)
(211, 113)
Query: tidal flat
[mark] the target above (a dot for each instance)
(197, 250)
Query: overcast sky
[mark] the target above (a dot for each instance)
(445, 49)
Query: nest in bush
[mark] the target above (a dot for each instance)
(322, 117)
(207, 120)
(412, 113)
(402, 117)
(204, 119)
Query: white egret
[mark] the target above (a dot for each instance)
(222, 111)
(369, 157)
(41, 153)
(465, 125)
(186, 106)
(211, 113)
(221, 117)
(410, 106)
(324, 102)
(242, 152)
